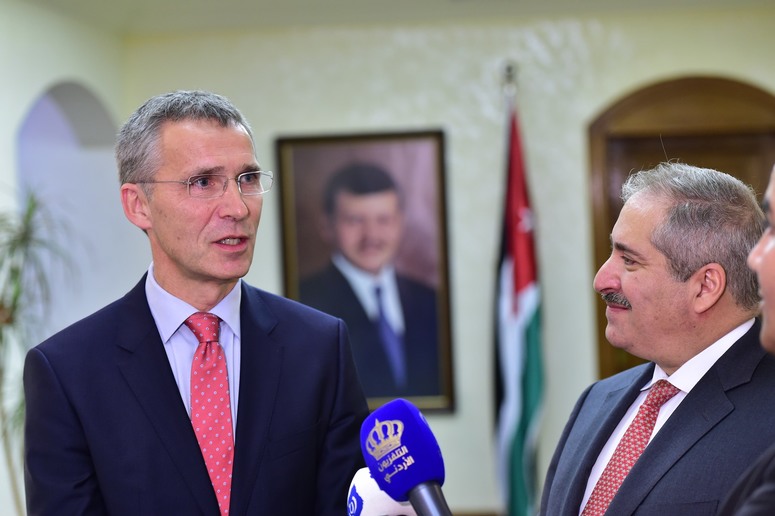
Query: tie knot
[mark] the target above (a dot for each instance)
(205, 326)
(660, 392)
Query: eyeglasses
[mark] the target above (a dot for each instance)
(210, 186)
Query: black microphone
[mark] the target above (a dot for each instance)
(404, 457)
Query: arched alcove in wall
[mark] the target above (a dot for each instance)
(65, 153)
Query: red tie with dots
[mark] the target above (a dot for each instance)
(211, 406)
(629, 449)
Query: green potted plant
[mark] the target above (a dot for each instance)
(25, 251)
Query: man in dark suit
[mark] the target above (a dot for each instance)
(678, 294)
(392, 318)
(110, 423)
(754, 493)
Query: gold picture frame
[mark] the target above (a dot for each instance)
(414, 161)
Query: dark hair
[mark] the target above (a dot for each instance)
(712, 217)
(359, 179)
(137, 152)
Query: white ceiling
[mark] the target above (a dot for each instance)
(153, 16)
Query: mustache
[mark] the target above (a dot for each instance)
(371, 243)
(615, 298)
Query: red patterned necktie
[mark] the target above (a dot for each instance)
(211, 406)
(629, 449)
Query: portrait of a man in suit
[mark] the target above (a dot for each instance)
(392, 318)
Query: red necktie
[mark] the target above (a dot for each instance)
(211, 406)
(629, 449)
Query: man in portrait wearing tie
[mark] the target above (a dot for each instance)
(195, 393)
(670, 437)
(392, 319)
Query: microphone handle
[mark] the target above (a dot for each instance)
(428, 500)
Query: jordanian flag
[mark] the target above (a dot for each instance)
(518, 340)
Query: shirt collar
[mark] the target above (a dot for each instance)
(687, 376)
(358, 275)
(170, 312)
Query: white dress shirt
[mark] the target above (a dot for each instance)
(685, 378)
(180, 343)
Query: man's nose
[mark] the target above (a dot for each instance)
(233, 201)
(605, 279)
(754, 255)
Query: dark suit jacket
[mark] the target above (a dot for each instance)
(107, 432)
(330, 292)
(717, 431)
(754, 493)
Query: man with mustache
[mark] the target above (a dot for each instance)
(672, 436)
(392, 318)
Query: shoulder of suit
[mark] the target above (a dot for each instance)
(277, 303)
(409, 282)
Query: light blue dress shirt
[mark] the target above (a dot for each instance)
(170, 313)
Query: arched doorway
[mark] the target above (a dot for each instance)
(65, 150)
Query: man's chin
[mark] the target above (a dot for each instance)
(614, 339)
(372, 267)
(228, 273)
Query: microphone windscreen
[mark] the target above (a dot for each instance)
(400, 449)
(365, 498)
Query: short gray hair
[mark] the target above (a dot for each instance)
(137, 152)
(711, 217)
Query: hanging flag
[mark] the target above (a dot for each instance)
(518, 340)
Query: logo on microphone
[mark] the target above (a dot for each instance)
(354, 503)
(384, 437)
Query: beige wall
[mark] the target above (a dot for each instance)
(39, 49)
(393, 78)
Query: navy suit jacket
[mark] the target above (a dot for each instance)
(330, 292)
(718, 430)
(754, 493)
(107, 432)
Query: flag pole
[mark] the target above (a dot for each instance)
(518, 329)
(509, 83)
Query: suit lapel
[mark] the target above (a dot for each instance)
(366, 343)
(708, 405)
(261, 364)
(703, 408)
(597, 428)
(145, 367)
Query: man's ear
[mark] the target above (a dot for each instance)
(135, 204)
(711, 283)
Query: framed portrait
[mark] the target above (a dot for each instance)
(365, 240)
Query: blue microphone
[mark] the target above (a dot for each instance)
(404, 457)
